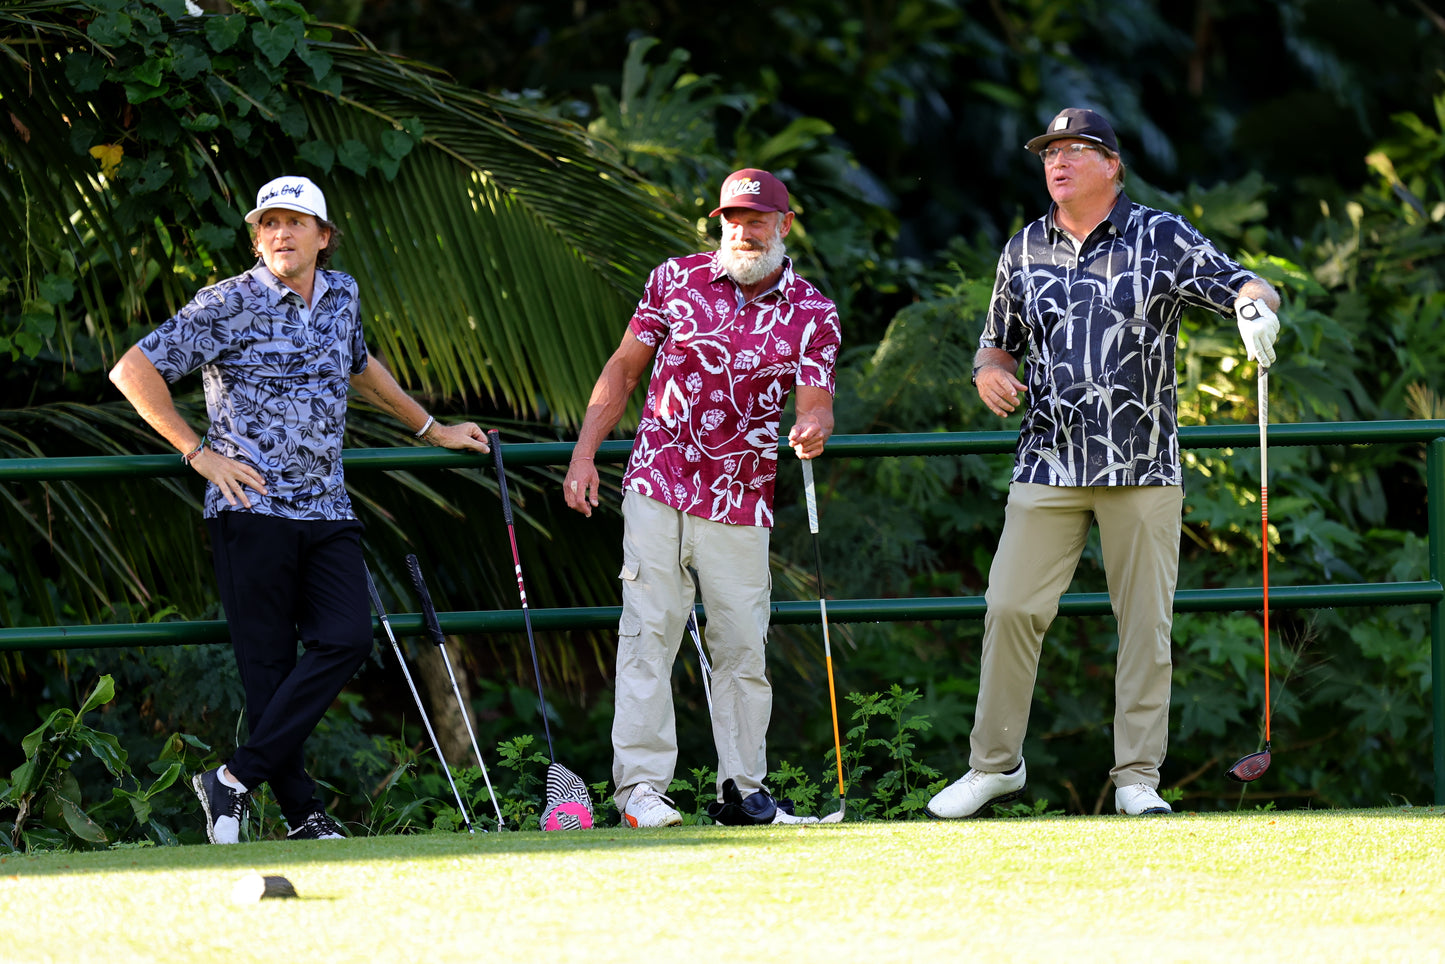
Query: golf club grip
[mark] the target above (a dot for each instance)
(811, 495)
(428, 611)
(376, 600)
(495, 438)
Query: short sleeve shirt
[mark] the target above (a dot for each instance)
(276, 379)
(707, 443)
(1096, 328)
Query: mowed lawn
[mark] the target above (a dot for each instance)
(1298, 886)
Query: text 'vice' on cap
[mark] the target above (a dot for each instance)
(1076, 122)
(754, 189)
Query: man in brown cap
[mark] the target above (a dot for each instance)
(728, 335)
(1088, 299)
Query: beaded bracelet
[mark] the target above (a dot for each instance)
(186, 458)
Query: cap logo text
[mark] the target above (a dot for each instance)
(746, 185)
(294, 190)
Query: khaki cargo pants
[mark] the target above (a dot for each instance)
(660, 549)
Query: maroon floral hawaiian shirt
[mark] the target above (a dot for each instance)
(707, 444)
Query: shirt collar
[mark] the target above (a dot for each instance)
(1118, 217)
(278, 289)
(782, 286)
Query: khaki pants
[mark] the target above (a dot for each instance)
(1043, 537)
(659, 547)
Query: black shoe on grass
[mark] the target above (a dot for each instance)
(225, 808)
(318, 826)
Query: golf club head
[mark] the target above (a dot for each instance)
(1249, 768)
(837, 816)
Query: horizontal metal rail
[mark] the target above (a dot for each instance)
(839, 446)
(916, 609)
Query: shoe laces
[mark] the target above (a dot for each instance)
(235, 803)
(644, 798)
(316, 826)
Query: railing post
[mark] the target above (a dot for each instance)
(1435, 496)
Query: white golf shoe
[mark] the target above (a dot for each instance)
(975, 794)
(648, 808)
(1140, 799)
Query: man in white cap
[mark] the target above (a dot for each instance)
(728, 336)
(1088, 299)
(278, 347)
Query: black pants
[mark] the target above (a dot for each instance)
(280, 580)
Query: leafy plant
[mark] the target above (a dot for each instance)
(1019, 809)
(44, 790)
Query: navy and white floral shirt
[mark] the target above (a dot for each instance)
(1096, 328)
(276, 378)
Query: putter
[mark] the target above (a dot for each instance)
(1251, 767)
(701, 658)
(827, 647)
(401, 661)
(569, 803)
(434, 630)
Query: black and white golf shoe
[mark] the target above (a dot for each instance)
(317, 826)
(225, 808)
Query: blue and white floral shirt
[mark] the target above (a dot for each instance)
(276, 378)
(1096, 328)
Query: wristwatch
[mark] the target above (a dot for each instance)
(973, 379)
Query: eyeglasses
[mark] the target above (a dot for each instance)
(1073, 152)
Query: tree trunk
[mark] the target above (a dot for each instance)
(446, 716)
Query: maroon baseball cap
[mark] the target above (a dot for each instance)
(1086, 125)
(752, 188)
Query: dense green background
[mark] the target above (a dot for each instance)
(1303, 136)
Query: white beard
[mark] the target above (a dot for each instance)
(750, 267)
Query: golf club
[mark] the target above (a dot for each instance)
(401, 661)
(701, 658)
(1251, 767)
(434, 630)
(569, 804)
(827, 646)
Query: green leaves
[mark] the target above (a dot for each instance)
(43, 784)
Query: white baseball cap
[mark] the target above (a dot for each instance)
(292, 192)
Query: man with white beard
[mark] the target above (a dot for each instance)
(728, 335)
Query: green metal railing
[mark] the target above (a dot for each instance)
(1429, 592)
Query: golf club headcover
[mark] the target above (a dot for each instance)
(1258, 326)
(569, 805)
(759, 808)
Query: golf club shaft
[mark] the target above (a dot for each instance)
(702, 660)
(434, 629)
(812, 498)
(401, 661)
(1264, 524)
(495, 439)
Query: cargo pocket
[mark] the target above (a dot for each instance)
(630, 625)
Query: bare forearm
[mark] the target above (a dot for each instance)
(377, 386)
(150, 395)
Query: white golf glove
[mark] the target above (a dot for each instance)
(1259, 327)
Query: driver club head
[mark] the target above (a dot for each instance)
(1249, 768)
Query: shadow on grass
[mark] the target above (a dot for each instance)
(439, 845)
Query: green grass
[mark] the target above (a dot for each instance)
(1300, 886)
